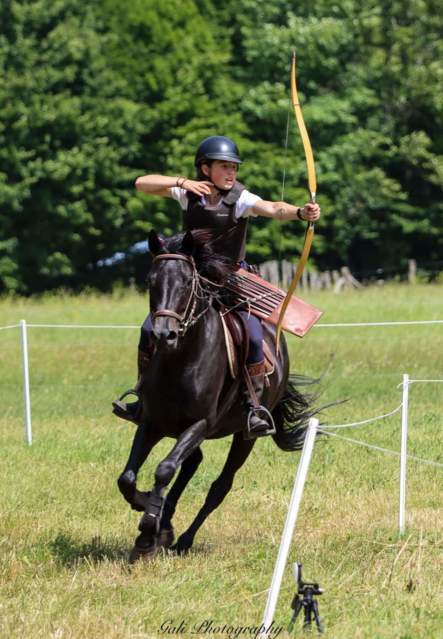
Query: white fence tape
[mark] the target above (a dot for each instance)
(380, 448)
(4, 328)
(364, 421)
(338, 325)
(83, 326)
(368, 324)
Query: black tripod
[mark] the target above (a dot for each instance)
(304, 598)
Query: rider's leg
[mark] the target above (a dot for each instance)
(131, 410)
(259, 423)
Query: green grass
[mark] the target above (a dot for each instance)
(65, 532)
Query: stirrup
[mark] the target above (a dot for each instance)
(250, 433)
(131, 391)
(120, 408)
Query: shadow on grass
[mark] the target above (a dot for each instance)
(70, 552)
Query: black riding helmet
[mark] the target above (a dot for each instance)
(217, 147)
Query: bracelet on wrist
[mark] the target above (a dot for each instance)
(183, 180)
(299, 213)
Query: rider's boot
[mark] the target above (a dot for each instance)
(132, 410)
(259, 420)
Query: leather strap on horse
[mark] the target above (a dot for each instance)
(238, 320)
(248, 381)
(187, 318)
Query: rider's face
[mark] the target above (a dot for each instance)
(221, 173)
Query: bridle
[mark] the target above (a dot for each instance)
(188, 318)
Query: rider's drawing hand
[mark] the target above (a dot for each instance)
(198, 187)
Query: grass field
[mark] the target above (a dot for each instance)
(65, 532)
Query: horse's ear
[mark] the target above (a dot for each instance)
(188, 244)
(155, 243)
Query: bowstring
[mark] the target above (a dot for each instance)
(283, 181)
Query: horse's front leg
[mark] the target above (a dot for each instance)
(143, 443)
(148, 541)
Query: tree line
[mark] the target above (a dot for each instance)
(95, 94)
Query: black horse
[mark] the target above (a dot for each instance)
(188, 393)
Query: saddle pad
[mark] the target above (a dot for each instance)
(232, 354)
(230, 349)
(265, 301)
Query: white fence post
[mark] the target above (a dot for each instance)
(288, 530)
(26, 394)
(403, 456)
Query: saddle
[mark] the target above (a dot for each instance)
(237, 344)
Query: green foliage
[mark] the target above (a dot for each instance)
(95, 94)
(69, 137)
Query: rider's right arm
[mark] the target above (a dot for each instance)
(156, 184)
(166, 186)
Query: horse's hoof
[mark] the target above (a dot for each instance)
(182, 547)
(178, 550)
(148, 551)
(165, 537)
(144, 554)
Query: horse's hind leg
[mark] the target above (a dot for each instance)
(238, 453)
(187, 471)
(143, 443)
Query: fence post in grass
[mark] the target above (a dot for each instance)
(403, 455)
(288, 530)
(26, 394)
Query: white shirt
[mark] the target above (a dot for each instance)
(243, 206)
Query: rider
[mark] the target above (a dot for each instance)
(216, 200)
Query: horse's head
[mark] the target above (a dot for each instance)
(173, 282)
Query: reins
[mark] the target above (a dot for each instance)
(188, 318)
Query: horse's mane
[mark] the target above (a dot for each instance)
(209, 262)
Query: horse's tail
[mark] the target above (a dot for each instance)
(292, 413)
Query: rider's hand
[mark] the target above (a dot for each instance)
(310, 212)
(197, 187)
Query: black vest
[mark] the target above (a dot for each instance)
(220, 220)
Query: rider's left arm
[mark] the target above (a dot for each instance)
(284, 211)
